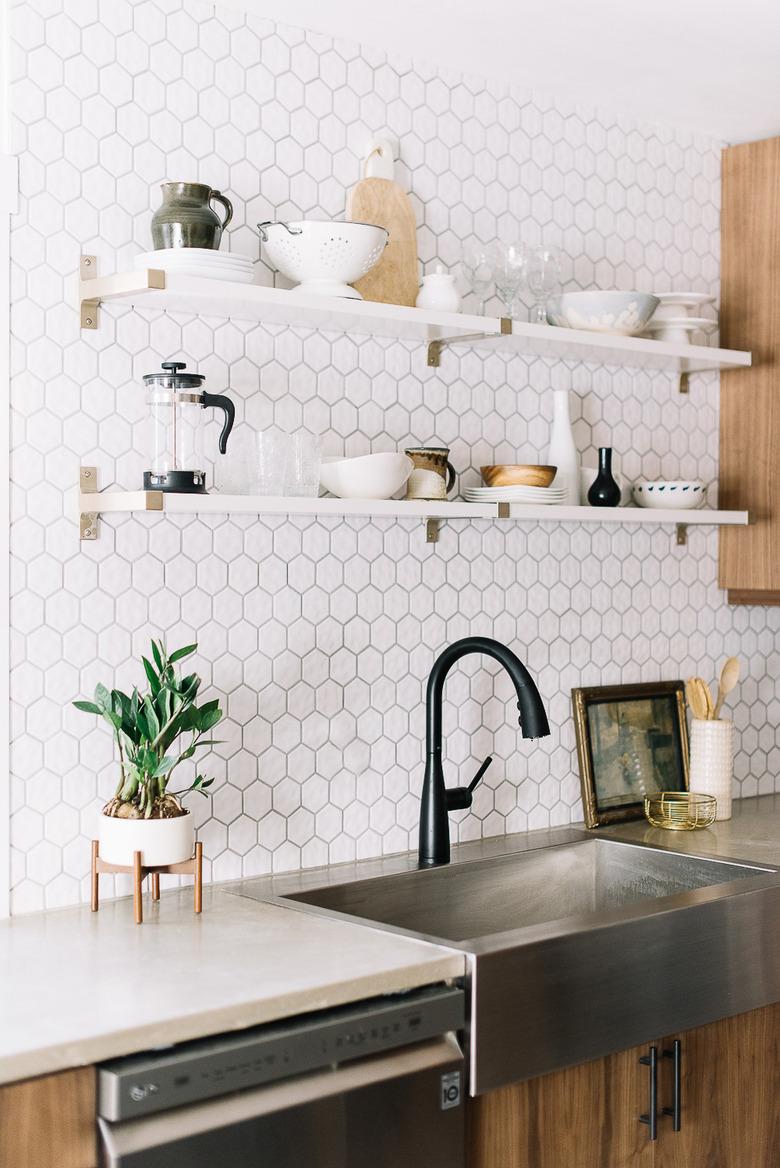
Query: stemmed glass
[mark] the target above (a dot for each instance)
(510, 261)
(475, 262)
(544, 276)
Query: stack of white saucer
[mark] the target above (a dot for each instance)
(548, 495)
(200, 262)
(678, 317)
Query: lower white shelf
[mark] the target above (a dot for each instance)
(115, 502)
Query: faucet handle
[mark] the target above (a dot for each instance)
(459, 798)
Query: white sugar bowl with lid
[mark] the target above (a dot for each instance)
(438, 291)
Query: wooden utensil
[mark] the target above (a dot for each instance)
(729, 676)
(378, 199)
(695, 699)
(706, 695)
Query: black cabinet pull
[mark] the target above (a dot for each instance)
(676, 1109)
(651, 1117)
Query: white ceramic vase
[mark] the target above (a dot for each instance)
(562, 451)
(711, 766)
(160, 841)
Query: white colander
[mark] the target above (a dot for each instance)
(323, 257)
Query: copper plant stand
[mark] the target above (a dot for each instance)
(139, 870)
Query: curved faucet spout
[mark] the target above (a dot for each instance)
(437, 801)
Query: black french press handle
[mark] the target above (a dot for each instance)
(219, 402)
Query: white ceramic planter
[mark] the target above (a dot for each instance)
(712, 754)
(160, 841)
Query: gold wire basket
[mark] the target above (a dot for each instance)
(680, 810)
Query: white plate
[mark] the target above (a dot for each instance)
(191, 255)
(691, 323)
(221, 274)
(685, 299)
(514, 495)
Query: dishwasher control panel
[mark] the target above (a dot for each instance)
(193, 1071)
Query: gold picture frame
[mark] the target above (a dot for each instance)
(632, 740)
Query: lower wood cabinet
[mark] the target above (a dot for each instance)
(589, 1116)
(49, 1122)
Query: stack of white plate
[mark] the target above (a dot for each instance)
(201, 262)
(675, 319)
(548, 495)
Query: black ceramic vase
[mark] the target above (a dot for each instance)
(604, 491)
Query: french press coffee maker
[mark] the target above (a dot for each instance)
(177, 404)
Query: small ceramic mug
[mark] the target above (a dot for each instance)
(433, 476)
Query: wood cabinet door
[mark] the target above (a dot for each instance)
(730, 1095)
(583, 1117)
(49, 1122)
(750, 398)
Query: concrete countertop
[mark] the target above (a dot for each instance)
(752, 833)
(79, 987)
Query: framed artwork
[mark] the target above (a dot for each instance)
(632, 741)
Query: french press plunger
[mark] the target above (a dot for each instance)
(177, 416)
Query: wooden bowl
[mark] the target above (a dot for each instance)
(520, 475)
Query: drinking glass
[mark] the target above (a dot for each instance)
(510, 261)
(271, 462)
(304, 464)
(477, 268)
(544, 276)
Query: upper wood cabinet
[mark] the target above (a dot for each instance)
(750, 398)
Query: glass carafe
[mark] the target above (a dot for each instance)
(176, 403)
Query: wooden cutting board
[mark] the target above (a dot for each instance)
(378, 198)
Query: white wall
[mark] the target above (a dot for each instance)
(319, 635)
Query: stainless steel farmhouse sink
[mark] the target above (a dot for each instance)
(579, 949)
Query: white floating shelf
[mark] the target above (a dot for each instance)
(174, 292)
(93, 503)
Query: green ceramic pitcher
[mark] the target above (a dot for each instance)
(186, 218)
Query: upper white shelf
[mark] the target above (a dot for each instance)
(174, 292)
(105, 502)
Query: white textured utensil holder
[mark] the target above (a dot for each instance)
(712, 755)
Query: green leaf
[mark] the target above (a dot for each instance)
(151, 674)
(157, 656)
(88, 707)
(164, 765)
(180, 653)
(102, 696)
(209, 718)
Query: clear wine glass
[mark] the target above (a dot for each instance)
(544, 276)
(510, 261)
(477, 268)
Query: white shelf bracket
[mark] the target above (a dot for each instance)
(435, 347)
(88, 520)
(681, 538)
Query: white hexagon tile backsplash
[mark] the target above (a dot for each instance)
(318, 635)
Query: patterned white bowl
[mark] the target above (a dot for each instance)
(621, 313)
(669, 496)
(323, 257)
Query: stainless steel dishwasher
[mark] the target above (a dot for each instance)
(378, 1084)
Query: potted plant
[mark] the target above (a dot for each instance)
(155, 732)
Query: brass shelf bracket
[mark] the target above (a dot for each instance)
(685, 383)
(94, 291)
(432, 530)
(89, 309)
(435, 347)
(88, 520)
(681, 538)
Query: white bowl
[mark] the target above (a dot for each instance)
(323, 257)
(370, 476)
(667, 495)
(621, 313)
